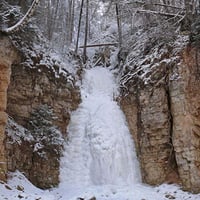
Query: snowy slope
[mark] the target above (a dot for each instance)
(18, 187)
(99, 158)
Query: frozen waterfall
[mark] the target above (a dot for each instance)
(99, 150)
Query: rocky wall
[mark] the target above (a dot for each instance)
(4, 81)
(32, 87)
(40, 167)
(148, 116)
(163, 116)
(185, 103)
(8, 55)
(29, 89)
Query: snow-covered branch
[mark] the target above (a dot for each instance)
(100, 45)
(159, 13)
(22, 21)
(155, 4)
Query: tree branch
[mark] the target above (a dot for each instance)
(155, 4)
(159, 13)
(100, 45)
(22, 21)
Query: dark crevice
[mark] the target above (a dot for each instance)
(139, 130)
(172, 163)
(197, 64)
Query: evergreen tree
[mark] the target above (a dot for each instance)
(42, 128)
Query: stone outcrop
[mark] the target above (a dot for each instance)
(163, 116)
(40, 167)
(38, 162)
(33, 87)
(148, 115)
(154, 134)
(185, 104)
(7, 56)
(146, 103)
(4, 81)
(29, 89)
(38, 77)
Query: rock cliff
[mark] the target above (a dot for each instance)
(162, 108)
(185, 108)
(29, 89)
(38, 78)
(8, 55)
(40, 164)
(32, 87)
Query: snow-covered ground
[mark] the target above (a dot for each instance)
(18, 187)
(99, 159)
(99, 149)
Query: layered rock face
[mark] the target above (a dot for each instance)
(29, 89)
(148, 115)
(38, 78)
(4, 81)
(185, 103)
(32, 87)
(7, 55)
(40, 167)
(163, 115)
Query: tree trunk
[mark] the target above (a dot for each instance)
(186, 23)
(79, 26)
(119, 23)
(72, 22)
(86, 32)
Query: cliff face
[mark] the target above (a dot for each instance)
(7, 56)
(38, 78)
(185, 101)
(4, 81)
(148, 114)
(29, 89)
(41, 166)
(151, 130)
(163, 115)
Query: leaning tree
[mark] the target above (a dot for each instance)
(23, 20)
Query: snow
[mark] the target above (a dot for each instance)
(18, 187)
(100, 149)
(16, 132)
(99, 159)
(143, 66)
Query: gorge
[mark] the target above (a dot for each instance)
(103, 129)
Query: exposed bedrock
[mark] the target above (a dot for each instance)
(32, 87)
(29, 89)
(163, 114)
(185, 98)
(8, 55)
